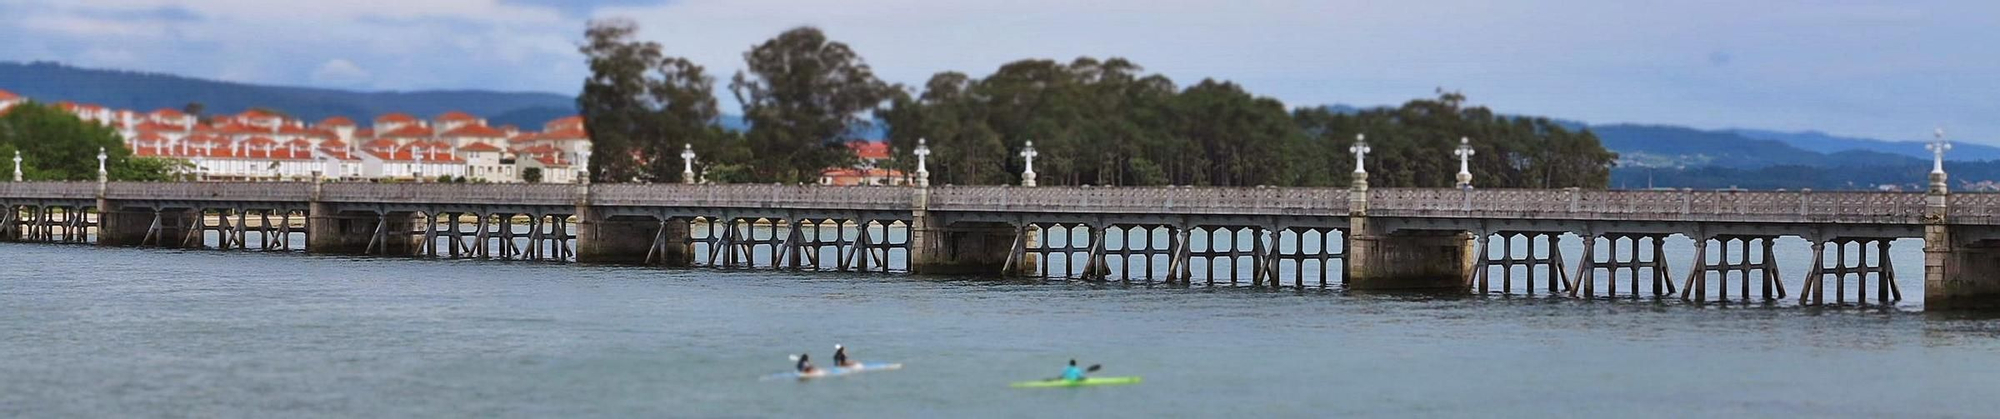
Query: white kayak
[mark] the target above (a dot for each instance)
(835, 371)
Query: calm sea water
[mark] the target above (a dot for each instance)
(96, 332)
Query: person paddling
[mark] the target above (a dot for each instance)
(805, 365)
(1072, 373)
(840, 357)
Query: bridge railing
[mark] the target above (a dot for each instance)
(210, 191)
(755, 196)
(1142, 200)
(450, 193)
(1723, 206)
(49, 190)
(1975, 208)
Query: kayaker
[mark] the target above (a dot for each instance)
(840, 357)
(805, 366)
(1073, 373)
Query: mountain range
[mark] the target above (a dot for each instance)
(1648, 154)
(148, 91)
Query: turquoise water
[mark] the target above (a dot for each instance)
(153, 333)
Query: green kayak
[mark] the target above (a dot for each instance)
(1091, 381)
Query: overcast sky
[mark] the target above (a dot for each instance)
(1885, 69)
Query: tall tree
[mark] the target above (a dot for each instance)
(802, 95)
(641, 107)
(56, 145)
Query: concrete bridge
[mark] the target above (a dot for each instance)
(1387, 238)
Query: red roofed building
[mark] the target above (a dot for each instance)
(391, 122)
(9, 99)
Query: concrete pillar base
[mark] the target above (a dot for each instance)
(348, 233)
(629, 241)
(1410, 260)
(1961, 271)
(959, 249)
(128, 227)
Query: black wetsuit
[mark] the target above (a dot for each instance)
(840, 358)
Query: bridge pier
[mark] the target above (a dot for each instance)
(359, 232)
(938, 248)
(631, 241)
(1961, 268)
(1409, 259)
(144, 227)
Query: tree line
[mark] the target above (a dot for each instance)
(1094, 122)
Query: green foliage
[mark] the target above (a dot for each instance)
(531, 175)
(1413, 144)
(642, 107)
(445, 179)
(1094, 123)
(56, 145)
(154, 169)
(801, 95)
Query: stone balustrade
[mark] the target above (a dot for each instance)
(48, 190)
(1143, 200)
(1569, 204)
(754, 196)
(1707, 206)
(450, 193)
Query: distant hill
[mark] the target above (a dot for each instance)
(1668, 146)
(50, 82)
(1827, 143)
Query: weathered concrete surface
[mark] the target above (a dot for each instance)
(1408, 259)
(627, 241)
(348, 233)
(1961, 271)
(958, 249)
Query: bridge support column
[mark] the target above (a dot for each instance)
(601, 239)
(1961, 270)
(959, 249)
(359, 233)
(144, 227)
(1408, 259)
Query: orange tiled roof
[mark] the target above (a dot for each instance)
(479, 147)
(337, 121)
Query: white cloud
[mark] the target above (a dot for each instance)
(339, 71)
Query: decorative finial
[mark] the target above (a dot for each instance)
(1464, 153)
(1937, 147)
(687, 163)
(1360, 150)
(923, 153)
(1028, 153)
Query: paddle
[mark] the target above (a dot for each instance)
(1093, 368)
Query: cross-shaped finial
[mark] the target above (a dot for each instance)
(923, 153)
(1028, 153)
(1464, 153)
(687, 163)
(1937, 147)
(1360, 150)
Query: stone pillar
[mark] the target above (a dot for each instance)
(1408, 259)
(1959, 273)
(958, 249)
(628, 241)
(348, 233)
